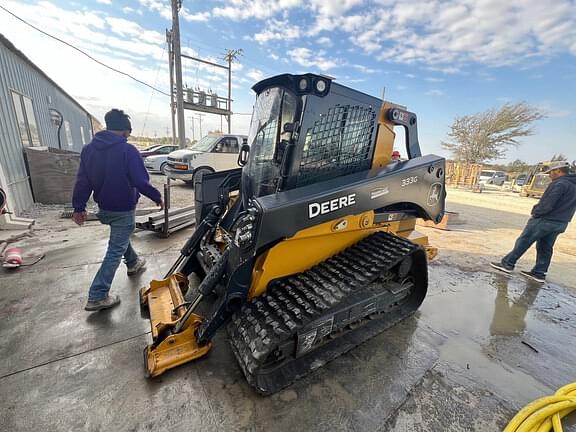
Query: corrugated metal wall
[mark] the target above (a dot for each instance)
(17, 75)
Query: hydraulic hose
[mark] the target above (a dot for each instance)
(545, 414)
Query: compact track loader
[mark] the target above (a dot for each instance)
(310, 247)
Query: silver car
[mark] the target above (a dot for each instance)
(156, 163)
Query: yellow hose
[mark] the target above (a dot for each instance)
(545, 413)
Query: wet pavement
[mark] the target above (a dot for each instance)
(482, 345)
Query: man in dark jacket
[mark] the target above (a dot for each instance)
(550, 217)
(114, 172)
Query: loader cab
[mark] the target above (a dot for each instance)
(306, 129)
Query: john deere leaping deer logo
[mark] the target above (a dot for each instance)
(434, 194)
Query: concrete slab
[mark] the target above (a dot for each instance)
(104, 389)
(481, 346)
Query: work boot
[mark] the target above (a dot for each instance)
(107, 303)
(138, 267)
(534, 276)
(500, 265)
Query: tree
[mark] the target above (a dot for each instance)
(487, 135)
(558, 157)
(518, 166)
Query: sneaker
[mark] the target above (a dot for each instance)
(138, 267)
(533, 276)
(507, 268)
(107, 303)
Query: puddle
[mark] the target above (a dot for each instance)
(479, 305)
(481, 312)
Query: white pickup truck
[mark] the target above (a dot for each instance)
(212, 153)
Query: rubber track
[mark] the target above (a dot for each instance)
(288, 305)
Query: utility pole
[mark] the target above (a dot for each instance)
(229, 57)
(200, 120)
(191, 118)
(171, 67)
(176, 5)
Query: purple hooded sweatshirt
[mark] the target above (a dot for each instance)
(115, 172)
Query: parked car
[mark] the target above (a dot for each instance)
(156, 163)
(158, 150)
(491, 177)
(215, 152)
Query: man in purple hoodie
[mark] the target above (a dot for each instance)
(114, 172)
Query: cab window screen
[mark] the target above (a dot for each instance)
(339, 143)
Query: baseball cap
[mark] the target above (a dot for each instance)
(557, 165)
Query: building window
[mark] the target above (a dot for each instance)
(82, 135)
(27, 124)
(68, 133)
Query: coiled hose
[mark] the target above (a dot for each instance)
(545, 413)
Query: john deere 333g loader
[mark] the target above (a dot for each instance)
(310, 247)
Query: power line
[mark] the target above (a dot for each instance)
(86, 54)
(152, 94)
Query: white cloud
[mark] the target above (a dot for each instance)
(255, 75)
(444, 35)
(433, 79)
(131, 11)
(162, 7)
(434, 92)
(550, 110)
(365, 69)
(334, 8)
(277, 30)
(192, 17)
(307, 58)
(325, 41)
(106, 2)
(244, 9)
(126, 28)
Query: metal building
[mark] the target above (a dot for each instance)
(34, 112)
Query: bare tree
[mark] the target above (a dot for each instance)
(559, 157)
(487, 135)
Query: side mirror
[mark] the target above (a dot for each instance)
(243, 155)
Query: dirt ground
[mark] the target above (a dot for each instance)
(493, 221)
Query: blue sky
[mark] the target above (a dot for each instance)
(440, 58)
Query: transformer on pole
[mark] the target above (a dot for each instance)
(195, 99)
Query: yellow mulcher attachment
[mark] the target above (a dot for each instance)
(311, 246)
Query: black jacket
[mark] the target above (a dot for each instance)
(559, 200)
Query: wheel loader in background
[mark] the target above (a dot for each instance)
(309, 249)
(537, 181)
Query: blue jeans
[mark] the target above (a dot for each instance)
(544, 233)
(122, 225)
